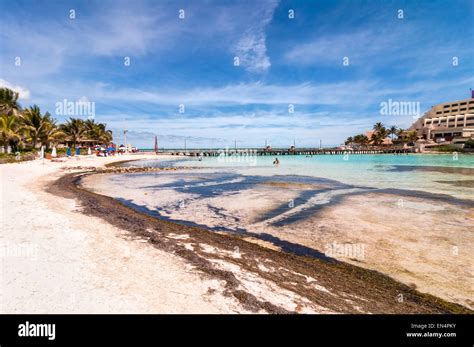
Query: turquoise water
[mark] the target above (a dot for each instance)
(440, 174)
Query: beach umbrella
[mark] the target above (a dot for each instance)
(89, 152)
(53, 153)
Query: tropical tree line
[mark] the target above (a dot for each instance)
(29, 128)
(380, 133)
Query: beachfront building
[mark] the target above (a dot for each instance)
(386, 141)
(447, 123)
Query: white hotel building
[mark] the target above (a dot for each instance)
(449, 122)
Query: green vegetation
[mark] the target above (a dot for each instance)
(359, 140)
(9, 130)
(26, 130)
(21, 155)
(380, 133)
(447, 149)
(469, 144)
(9, 102)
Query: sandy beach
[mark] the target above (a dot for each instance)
(72, 251)
(56, 260)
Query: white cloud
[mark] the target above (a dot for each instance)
(23, 93)
(49, 46)
(122, 34)
(347, 95)
(249, 129)
(252, 52)
(342, 93)
(332, 49)
(251, 48)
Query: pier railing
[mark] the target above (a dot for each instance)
(281, 152)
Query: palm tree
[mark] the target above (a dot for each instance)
(9, 127)
(392, 131)
(349, 140)
(89, 125)
(400, 134)
(102, 134)
(51, 132)
(377, 138)
(9, 102)
(98, 131)
(379, 128)
(74, 128)
(35, 124)
(412, 136)
(380, 133)
(361, 140)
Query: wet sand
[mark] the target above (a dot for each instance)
(422, 240)
(424, 244)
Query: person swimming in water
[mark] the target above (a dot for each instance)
(276, 162)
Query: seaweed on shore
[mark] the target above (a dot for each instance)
(350, 289)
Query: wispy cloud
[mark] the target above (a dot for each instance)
(385, 43)
(50, 46)
(331, 49)
(251, 48)
(276, 126)
(247, 93)
(123, 34)
(367, 92)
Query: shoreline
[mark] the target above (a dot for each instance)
(169, 154)
(140, 223)
(203, 271)
(56, 260)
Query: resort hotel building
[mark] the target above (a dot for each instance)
(447, 123)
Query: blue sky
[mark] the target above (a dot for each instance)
(283, 61)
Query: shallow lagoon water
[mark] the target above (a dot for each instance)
(437, 173)
(411, 214)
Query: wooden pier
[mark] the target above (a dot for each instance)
(282, 152)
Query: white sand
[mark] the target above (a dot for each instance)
(56, 260)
